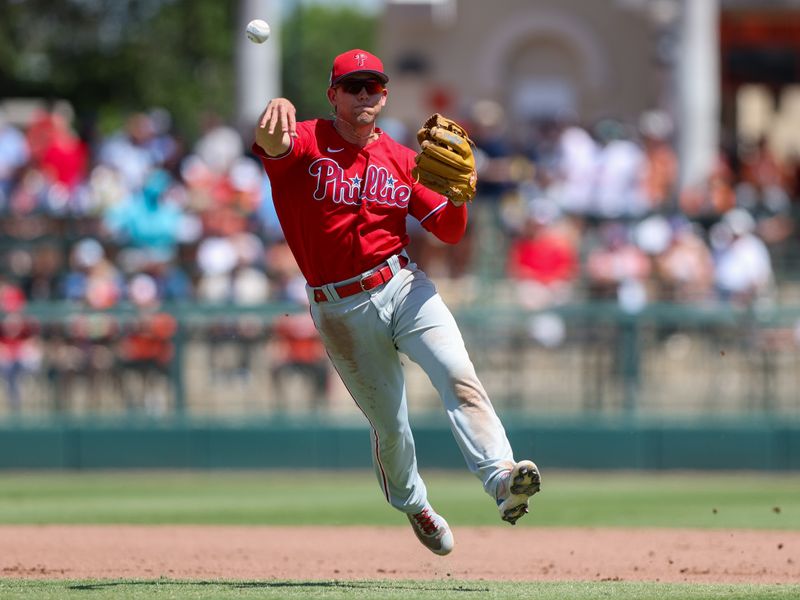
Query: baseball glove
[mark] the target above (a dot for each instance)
(445, 163)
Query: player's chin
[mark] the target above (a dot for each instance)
(365, 117)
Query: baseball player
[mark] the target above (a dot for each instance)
(342, 190)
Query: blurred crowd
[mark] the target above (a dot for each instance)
(141, 217)
(134, 219)
(597, 212)
(138, 217)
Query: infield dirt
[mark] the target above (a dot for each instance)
(492, 553)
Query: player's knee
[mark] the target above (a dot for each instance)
(391, 439)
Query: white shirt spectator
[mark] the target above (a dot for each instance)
(219, 148)
(129, 160)
(618, 189)
(129, 151)
(743, 264)
(578, 164)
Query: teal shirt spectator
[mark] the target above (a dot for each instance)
(146, 220)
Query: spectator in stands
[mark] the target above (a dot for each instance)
(148, 219)
(543, 261)
(93, 278)
(41, 280)
(130, 152)
(20, 353)
(164, 146)
(219, 145)
(493, 152)
(763, 169)
(295, 343)
(660, 176)
(105, 187)
(171, 280)
(764, 192)
(14, 155)
(146, 348)
(19, 349)
(707, 200)
(29, 194)
(249, 284)
(232, 272)
(574, 172)
(617, 268)
(80, 360)
(226, 202)
(685, 269)
(60, 154)
(296, 349)
(269, 225)
(12, 298)
(235, 199)
(288, 284)
(618, 190)
(216, 238)
(216, 259)
(743, 265)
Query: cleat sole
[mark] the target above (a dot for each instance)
(513, 514)
(526, 482)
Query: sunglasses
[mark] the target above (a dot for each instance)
(355, 86)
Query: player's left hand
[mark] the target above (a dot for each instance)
(445, 162)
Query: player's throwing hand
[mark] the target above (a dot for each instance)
(277, 126)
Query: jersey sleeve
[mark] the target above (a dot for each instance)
(437, 214)
(298, 146)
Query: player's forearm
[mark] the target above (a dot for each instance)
(273, 144)
(449, 224)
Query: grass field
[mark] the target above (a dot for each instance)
(388, 590)
(352, 498)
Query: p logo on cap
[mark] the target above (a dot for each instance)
(356, 61)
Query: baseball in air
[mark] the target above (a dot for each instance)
(257, 31)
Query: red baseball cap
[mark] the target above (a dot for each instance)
(356, 61)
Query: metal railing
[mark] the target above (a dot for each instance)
(597, 358)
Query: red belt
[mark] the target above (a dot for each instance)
(368, 282)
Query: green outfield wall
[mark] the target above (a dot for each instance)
(585, 443)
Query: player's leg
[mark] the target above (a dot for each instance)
(360, 346)
(358, 336)
(427, 332)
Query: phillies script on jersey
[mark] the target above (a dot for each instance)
(343, 208)
(378, 185)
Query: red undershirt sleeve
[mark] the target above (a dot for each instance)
(447, 222)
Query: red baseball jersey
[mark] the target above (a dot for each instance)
(343, 208)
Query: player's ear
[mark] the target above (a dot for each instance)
(332, 96)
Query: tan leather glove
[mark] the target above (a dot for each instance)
(445, 163)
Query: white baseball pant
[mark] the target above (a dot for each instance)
(363, 334)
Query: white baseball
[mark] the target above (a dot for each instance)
(258, 31)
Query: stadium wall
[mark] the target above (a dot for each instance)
(575, 443)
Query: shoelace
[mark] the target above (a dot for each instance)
(425, 521)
